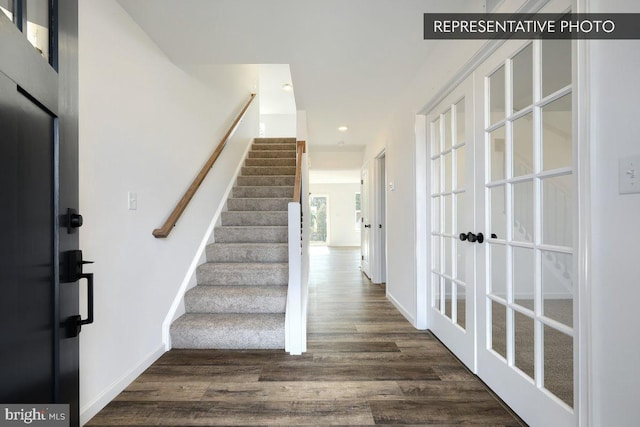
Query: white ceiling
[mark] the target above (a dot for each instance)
(349, 59)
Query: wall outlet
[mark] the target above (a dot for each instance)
(629, 175)
(132, 201)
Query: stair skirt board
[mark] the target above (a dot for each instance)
(240, 298)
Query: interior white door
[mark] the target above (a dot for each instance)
(453, 237)
(526, 304)
(378, 227)
(365, 229)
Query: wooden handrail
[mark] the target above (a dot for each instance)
(301, 148)
(168, 225)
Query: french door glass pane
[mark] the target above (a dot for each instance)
(435, 253)
(523, 163)
(496, 96)
(460, 167)
(497, 154)
(557, 286)
(557, 211)
(461, 226)
(499, 328)
(436, 291)
(435, 177)
(460, 253)
(523, 212)
(523, 78)
(448, 175)
(557, 135)
(498, 254)
(556, 65)
(558, 364)
(523, 277)
(460, 122)
(435, 140)
(447, 298)
(461, 301)
(437, 222)
(448, 138)
(448, 214)
(497, 200)
(524, 343)
(448, 258)
(38, 26)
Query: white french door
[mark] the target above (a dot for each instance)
(502, 167)
(526, 203)
(452, 290)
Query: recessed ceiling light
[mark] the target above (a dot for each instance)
(287, 87)
(343, 128)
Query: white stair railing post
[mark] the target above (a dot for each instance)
(298, 290)
(293, 316)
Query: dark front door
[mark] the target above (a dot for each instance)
(38, 184)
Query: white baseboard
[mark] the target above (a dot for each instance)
(402, 310)
(90, 410)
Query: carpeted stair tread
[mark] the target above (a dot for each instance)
(251, 234)
(273, 147)
(251, 218)
(258, 192)
(236, 299)
(266, 180)
(268, 170)
(270, 161)
(270, 154)
(250, 274)
(258, 203)
(248, 252)
(228, 331)
(275, 140)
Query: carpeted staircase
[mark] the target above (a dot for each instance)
(240, 299)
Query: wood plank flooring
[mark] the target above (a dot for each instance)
(365, 365)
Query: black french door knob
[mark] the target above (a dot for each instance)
(472, 237)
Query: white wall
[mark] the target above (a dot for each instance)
(400, 148)
(279, 125)
(329, 158)
(146, 126)
(342, 211)
(615, 273)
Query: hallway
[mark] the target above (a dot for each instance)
(365, 365)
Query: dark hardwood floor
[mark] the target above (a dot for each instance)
(365, 365)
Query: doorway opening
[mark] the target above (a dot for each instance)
(319, 207)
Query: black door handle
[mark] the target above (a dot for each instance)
(472, 237)
(89, 319)
(72, 272)
(367, 226)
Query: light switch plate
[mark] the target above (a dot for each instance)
(629, 175)
(132, 199)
